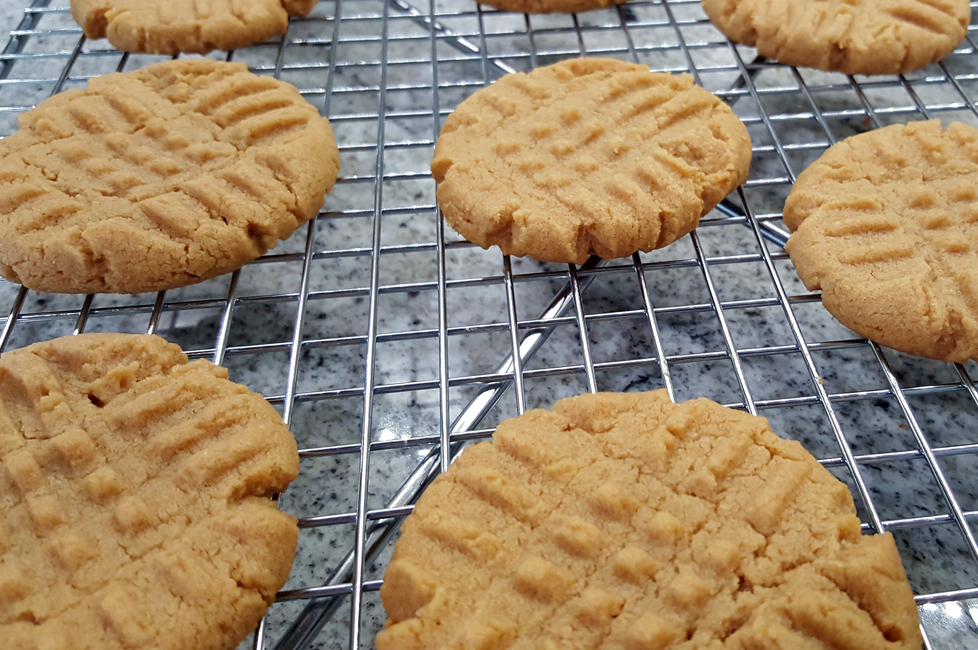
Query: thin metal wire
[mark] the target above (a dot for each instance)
(307, 624)
(368, 394)
(654, 326)
(967, 382)
(154, 317)
(592, 384)
(308, 254)
(514, 335)
(8, 326)
(444, 407)
(224, 331)
(83, 314)
(927, 451)
(732, 352)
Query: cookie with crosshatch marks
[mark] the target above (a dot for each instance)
(624, 521)
(192, 26)
(850, 36)
(885, 224)
(587, 156)
(134, 509)
(159, 178)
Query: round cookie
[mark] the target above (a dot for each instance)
(850, 36)
(159, 178)
(552, 6)
(885, 224)
(624, 521)
(586, 156)
(192, 26)
(134, 509)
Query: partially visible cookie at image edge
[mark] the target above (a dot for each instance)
(134, 509)
(885, 224)
(586, 156)
(191, 26)
(159, 178)
(624, 521)
(850, 36)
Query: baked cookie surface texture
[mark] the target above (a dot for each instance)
(192, 26)
(159, 178)
(134, 509)
(586, 156)
(850, 36)
(885, 223)
(627, 522)
(552, 6)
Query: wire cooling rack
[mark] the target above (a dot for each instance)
(388, 343)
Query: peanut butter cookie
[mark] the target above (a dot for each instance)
(159, 178)
(851, 36)
(197, 26)
(624, 521)
(587, 156)
(885, 224)
(134, 509)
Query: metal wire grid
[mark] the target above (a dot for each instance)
(386, 340)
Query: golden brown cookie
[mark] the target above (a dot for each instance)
(159, 178)
(850, 36)
(624, 521)
(885, 223)
(552, 6)
(198, 26)
(587, 156)
(134, 509)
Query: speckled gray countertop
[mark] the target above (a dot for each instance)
(260, 320)
(11, 12)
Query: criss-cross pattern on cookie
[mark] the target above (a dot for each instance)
(132, 507)
(587, 156)
(159, 178)
(886, 224)
(624, 521)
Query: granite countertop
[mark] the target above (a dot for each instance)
(332, 365)
(11, 11)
